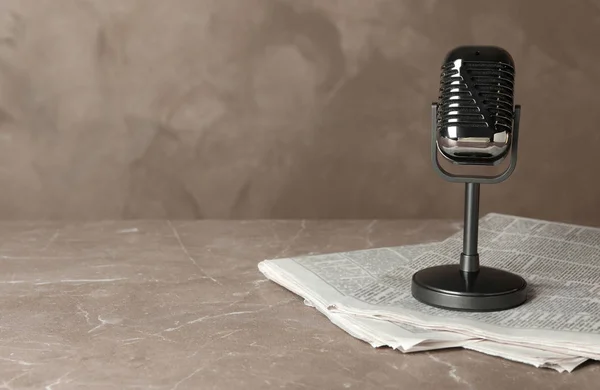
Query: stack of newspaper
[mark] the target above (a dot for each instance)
(367, 293)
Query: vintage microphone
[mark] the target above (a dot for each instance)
(474, 123)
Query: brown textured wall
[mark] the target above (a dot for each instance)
(273, 108)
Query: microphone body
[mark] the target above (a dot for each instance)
(475, 106)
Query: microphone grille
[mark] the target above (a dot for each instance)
(476, 94)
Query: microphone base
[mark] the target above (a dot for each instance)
(489, 289)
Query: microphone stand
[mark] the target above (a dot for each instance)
(467, 286)
(469, 258)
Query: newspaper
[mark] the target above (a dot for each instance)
(407, 338)
(403, 337)
(560, 320)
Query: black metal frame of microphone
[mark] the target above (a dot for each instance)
(467, 286)
(475, 178)
(469, 258)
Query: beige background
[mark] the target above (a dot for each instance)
(278, 109)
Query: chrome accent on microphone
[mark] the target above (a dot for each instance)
(475, 115)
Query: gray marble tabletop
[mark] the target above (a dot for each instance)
(181, 305)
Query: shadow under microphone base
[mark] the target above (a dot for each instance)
(467, 286)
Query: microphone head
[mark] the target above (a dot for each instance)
(476, 105)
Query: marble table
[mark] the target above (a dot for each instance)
(181, 305)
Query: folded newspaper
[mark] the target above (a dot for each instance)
(367, 293)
